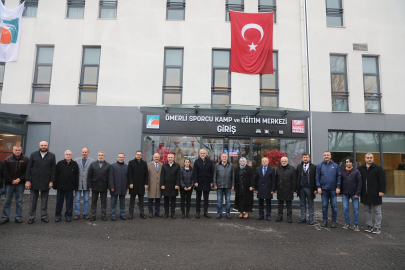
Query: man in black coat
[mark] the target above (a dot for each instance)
(203, 178)
(118, 184)
(286, 179)
(170, 184)
(97, 182)
(137, 180)
(306, 188)
(66, 181)
(372, 191)
(39, 176)
(265, 185)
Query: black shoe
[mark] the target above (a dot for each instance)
(104, 218)
(113, 219)
(260, 218)
(289, 220)
(301, 221)
(4, 221)
(123, 217)
(369, 229)
(197, 215)
(278, 219)
(376, 231)
(228, 216)
(166, 216)
(19, 221)
(219, 216)
(58, 219)
(311, 223)
(333, 224)
(142, 215)
(68, 219)
(93, 218)
(188, 215)
(207, 215)
(268, 218)
(173, 216)
(131, 216)
(31, 221)
(46, 220)
(324, 223)
(182, 215)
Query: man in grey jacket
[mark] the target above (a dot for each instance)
(84, 164)
(224, 181)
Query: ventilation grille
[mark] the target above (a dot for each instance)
(360, 47)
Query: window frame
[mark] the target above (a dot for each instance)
(29, 3)
(41, 87)
(271, 92)
(228, 90)
(175, 6)
(267, 8)
(233, 7)
(335, 12)
(89, 88)
(165, 67)
(337, 94)
(372, 96)
(75, 3)
(111, 4)
(2, 80)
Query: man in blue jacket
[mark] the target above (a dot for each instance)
(328, 183)
(350, 189)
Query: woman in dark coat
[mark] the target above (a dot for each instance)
(244, 188)
(186, 187)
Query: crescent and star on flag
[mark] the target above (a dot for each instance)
(252, 26)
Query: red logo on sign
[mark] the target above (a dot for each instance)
(298, 126)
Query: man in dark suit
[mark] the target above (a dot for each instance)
(306, 188)
(138, 181)
(265, 185)
(203, 179)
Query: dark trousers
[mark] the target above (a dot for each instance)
(157, 205)
(289, 208)
(34, 194)
(172, 200)
(268, 207)
(132, 204)
(306, 200)
(94, 199)
(206, 194)
(185, 199)
(61, 195)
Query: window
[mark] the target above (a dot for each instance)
(235, 5)
(176, 9)
(269, 86)
(173, 76)
(108, 9)
(43, 73)
(221, 77)
(371, 80)
(268, 6)
(338, 75)
(341, 146)
(2, 67)
(75, 9)
(30, 8)
(334, 13)
(89, 77)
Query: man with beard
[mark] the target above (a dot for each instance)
(118, 179)
(40, 175)
(286, 186)
(138, 182)
(97, 182)
(170, 184)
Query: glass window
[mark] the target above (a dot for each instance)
(182, 146)
(340, 93)
(108, 9)
(214, 147)
(176, 9)
(221, 77)
(341, 146)
(372, 94)
(89, 76)
(2, 68)
(173, 76)
(367, 143)
(269, 91)
(237, 148)
(12, 123)
(30, 8)
(7, 141)
(235, 5)
(393, 146)
(75, 9)
(268, 6)
(43, 74)
(334, 13)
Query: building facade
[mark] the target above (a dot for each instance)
(93, 73)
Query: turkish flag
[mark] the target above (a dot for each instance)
(251, 43)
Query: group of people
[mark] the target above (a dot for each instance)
(75, 179)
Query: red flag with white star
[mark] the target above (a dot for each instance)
(251, 43)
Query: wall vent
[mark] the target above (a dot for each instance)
(360, 47)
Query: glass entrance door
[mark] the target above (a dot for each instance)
(237, 148)
(214, 147)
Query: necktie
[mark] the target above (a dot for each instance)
(265, 170)
(305, 168)
(157, 166)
